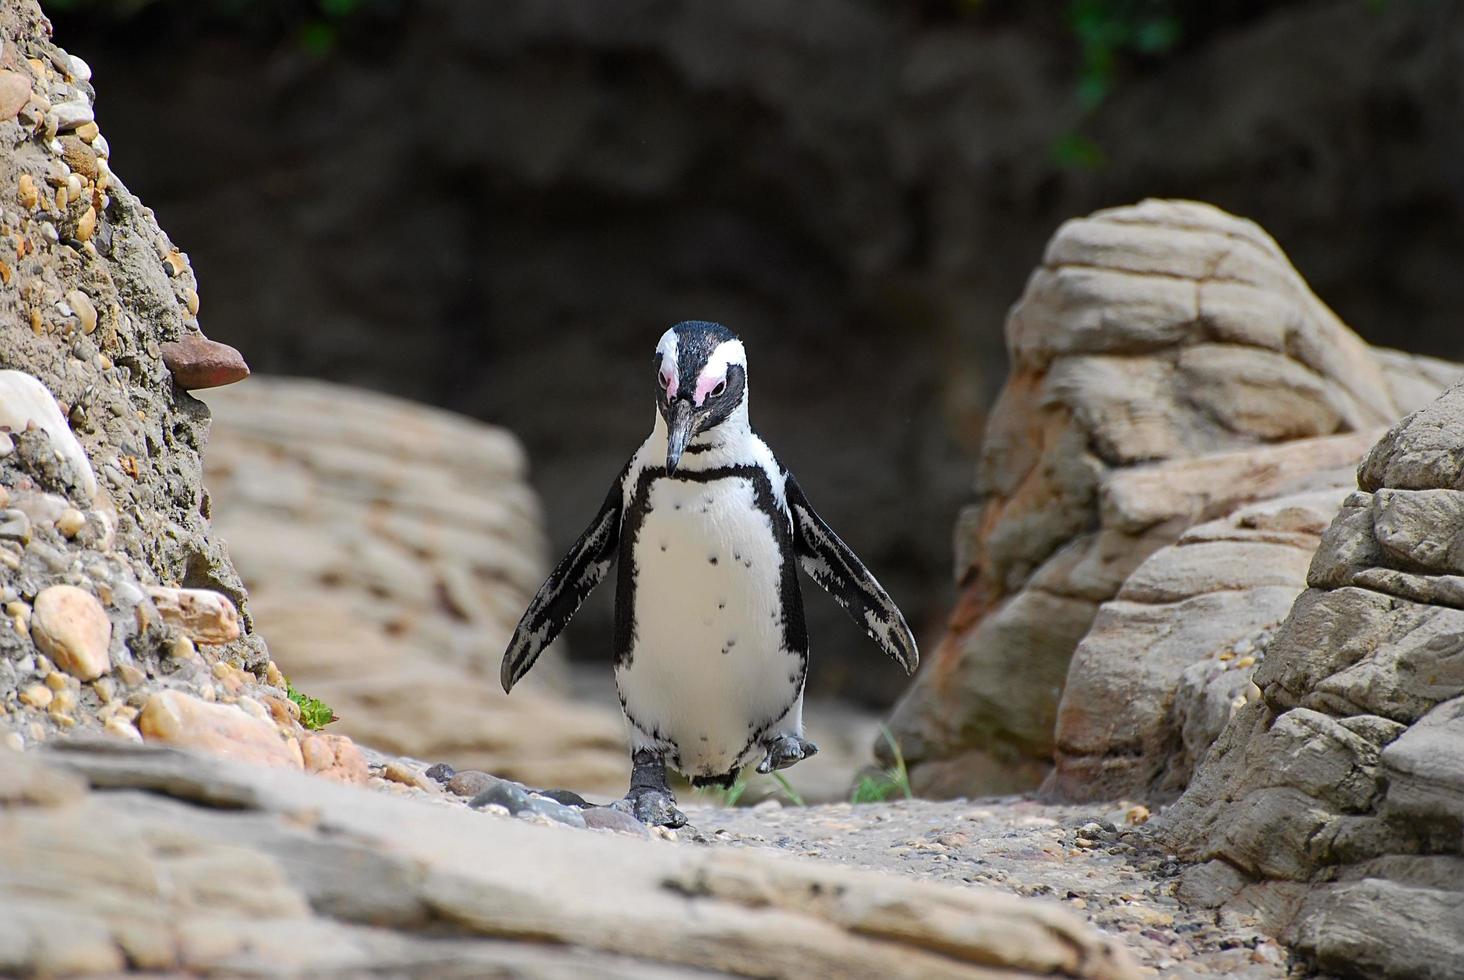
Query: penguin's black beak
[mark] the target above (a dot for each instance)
(679, 426)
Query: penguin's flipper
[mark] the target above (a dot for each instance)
(557, 600)
(839, 572)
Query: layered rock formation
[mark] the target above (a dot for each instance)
(1333, 804)
(270, 872)
(389, 549)
(1168, 366)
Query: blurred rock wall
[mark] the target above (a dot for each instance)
(497, 208)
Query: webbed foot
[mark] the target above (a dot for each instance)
(784, 751)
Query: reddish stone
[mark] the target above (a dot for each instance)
(15, 92)
(197, 362)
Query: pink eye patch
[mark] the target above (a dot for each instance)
(704, 385)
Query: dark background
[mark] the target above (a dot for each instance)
(498, 205)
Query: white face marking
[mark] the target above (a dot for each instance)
(727, 353)
(666, 351)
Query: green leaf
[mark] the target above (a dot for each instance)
(314, 713)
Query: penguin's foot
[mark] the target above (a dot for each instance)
(652, 807)
(784, 751)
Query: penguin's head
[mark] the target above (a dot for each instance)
(701, 382)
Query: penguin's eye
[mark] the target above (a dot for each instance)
(721, 387)
(664, 378)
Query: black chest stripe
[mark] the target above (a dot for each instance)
(795, 634)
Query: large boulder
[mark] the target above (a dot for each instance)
(1168, 366)
(1333, 803)
(389, 549)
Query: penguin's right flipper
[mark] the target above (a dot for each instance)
(557, 600)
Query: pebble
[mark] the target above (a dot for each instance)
(470, 783)
(71, 627)
(500, 792)
(197, 362)
(86, 226)
(82, 306)
(399, 773)
(71, 522)
(88, 131)
(180, 719)
(71, 114)
(554, 810)
(442, 772)
(15, 525)
(37, 696)
(27, 192)
(609, 818)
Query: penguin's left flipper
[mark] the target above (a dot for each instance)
(833, 565)
(784, 751)
(576, 575)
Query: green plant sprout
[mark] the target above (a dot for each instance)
(315, 714)
(878, 787)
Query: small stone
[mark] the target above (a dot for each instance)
(470, 783)
(204, 616)
(86, 226)
(500, 792)
(130, 675)
(567, 797)
(559, 813)
(399, 773)
(71, 627)
(27, 193)
(442, 772)
(71, 114)
(1136, 815)
(197, 362)
(119, 727)
(37, 696)
(55, 680)
(15, 92)
(273, 676)
(82, 306)
(70, 522)
(88, 131)
(106, 689)
(334, 757)
(179, 719)
(608, 818)
(190, 300)
(7, 444)
(15, 525)
(80, 157)
(80, 70)
(182, 648)
(175, 263)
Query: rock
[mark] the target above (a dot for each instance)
(197, 362)
(72, 114)
(334, 757)
(86, 313)
(1337, 794)
(37, 696)
(25, 400)
(1157, 677)
(1168, 366)
(15, 92)
(500, 792)
(552, 809)
(70, 626)
(370, 582)
(609, 818)
(470, 782)
(175, 718)
(202, 615)
(442, 772)
(79, 156)
(567, 797)
(398, 772)
(15, 525)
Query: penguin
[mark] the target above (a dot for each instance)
(709, 531)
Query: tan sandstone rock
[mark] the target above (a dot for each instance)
(1334, 800)
(1168, 366)
(202, 615)
(389, 550)
(71, 627)
(175, 718)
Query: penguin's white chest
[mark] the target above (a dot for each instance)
(708, 669)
